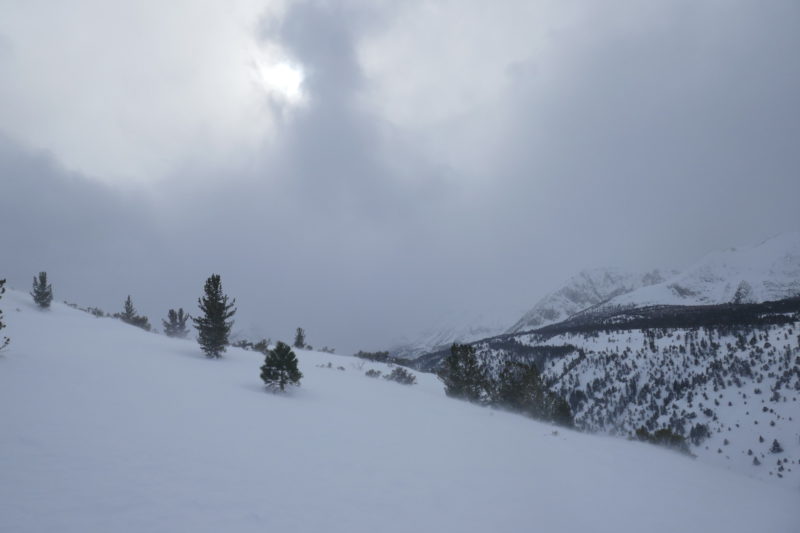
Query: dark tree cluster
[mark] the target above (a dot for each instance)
(517, 386)
(664, 437)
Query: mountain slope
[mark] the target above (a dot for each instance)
(766, 272)
(587, 289)
(456, 327)
(109, 428)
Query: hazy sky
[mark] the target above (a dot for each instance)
(363, 168)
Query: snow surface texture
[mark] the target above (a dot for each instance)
(587, 289)
(109, 428)
(766, 272)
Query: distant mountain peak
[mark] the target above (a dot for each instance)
(588, 288)
(767, 271)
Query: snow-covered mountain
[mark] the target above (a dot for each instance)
(106, 427)
(766, 272)
(458, 327)
(587, 289)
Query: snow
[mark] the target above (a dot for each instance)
(110, 428)
(586, 289)
(743, 406)
(766, 272)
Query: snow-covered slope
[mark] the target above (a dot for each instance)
(587, 289)
(730, 391)
(108, 428)
(766, 272)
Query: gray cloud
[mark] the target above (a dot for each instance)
(629, 135)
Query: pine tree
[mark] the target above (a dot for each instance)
(42, 292)
(300, 338)
(280, 367)
(462, 374)
(776, 447)
(129, 316)
(214, 325)
(5, 340)
(175, 325)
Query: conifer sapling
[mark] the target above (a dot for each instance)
(129, 315)
(300, 338)
(42, 291)
(175, 325)
(280, 368)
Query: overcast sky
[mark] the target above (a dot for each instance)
(364, 168)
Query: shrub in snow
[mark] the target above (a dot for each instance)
(5, 340)
(214, 326)
(372, 373)
(262, 346)
(401, 375)
(665, 437)
(42, 291)
(129, 316)
(380, 357)
(175, 324)
(280, 368)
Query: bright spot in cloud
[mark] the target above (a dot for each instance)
(282, 81)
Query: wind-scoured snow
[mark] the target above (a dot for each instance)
(766, 272)
(109, 428)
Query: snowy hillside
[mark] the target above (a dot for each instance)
(766, 272)
(109, 428)
(730, 391)
(587, 289)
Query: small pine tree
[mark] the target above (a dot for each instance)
(280, 368)
(175, 325)
(776, 447)
(4, 342)
(462, 374)
(214, 325)
(42, 291)
(300, 338)
(129, 316)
